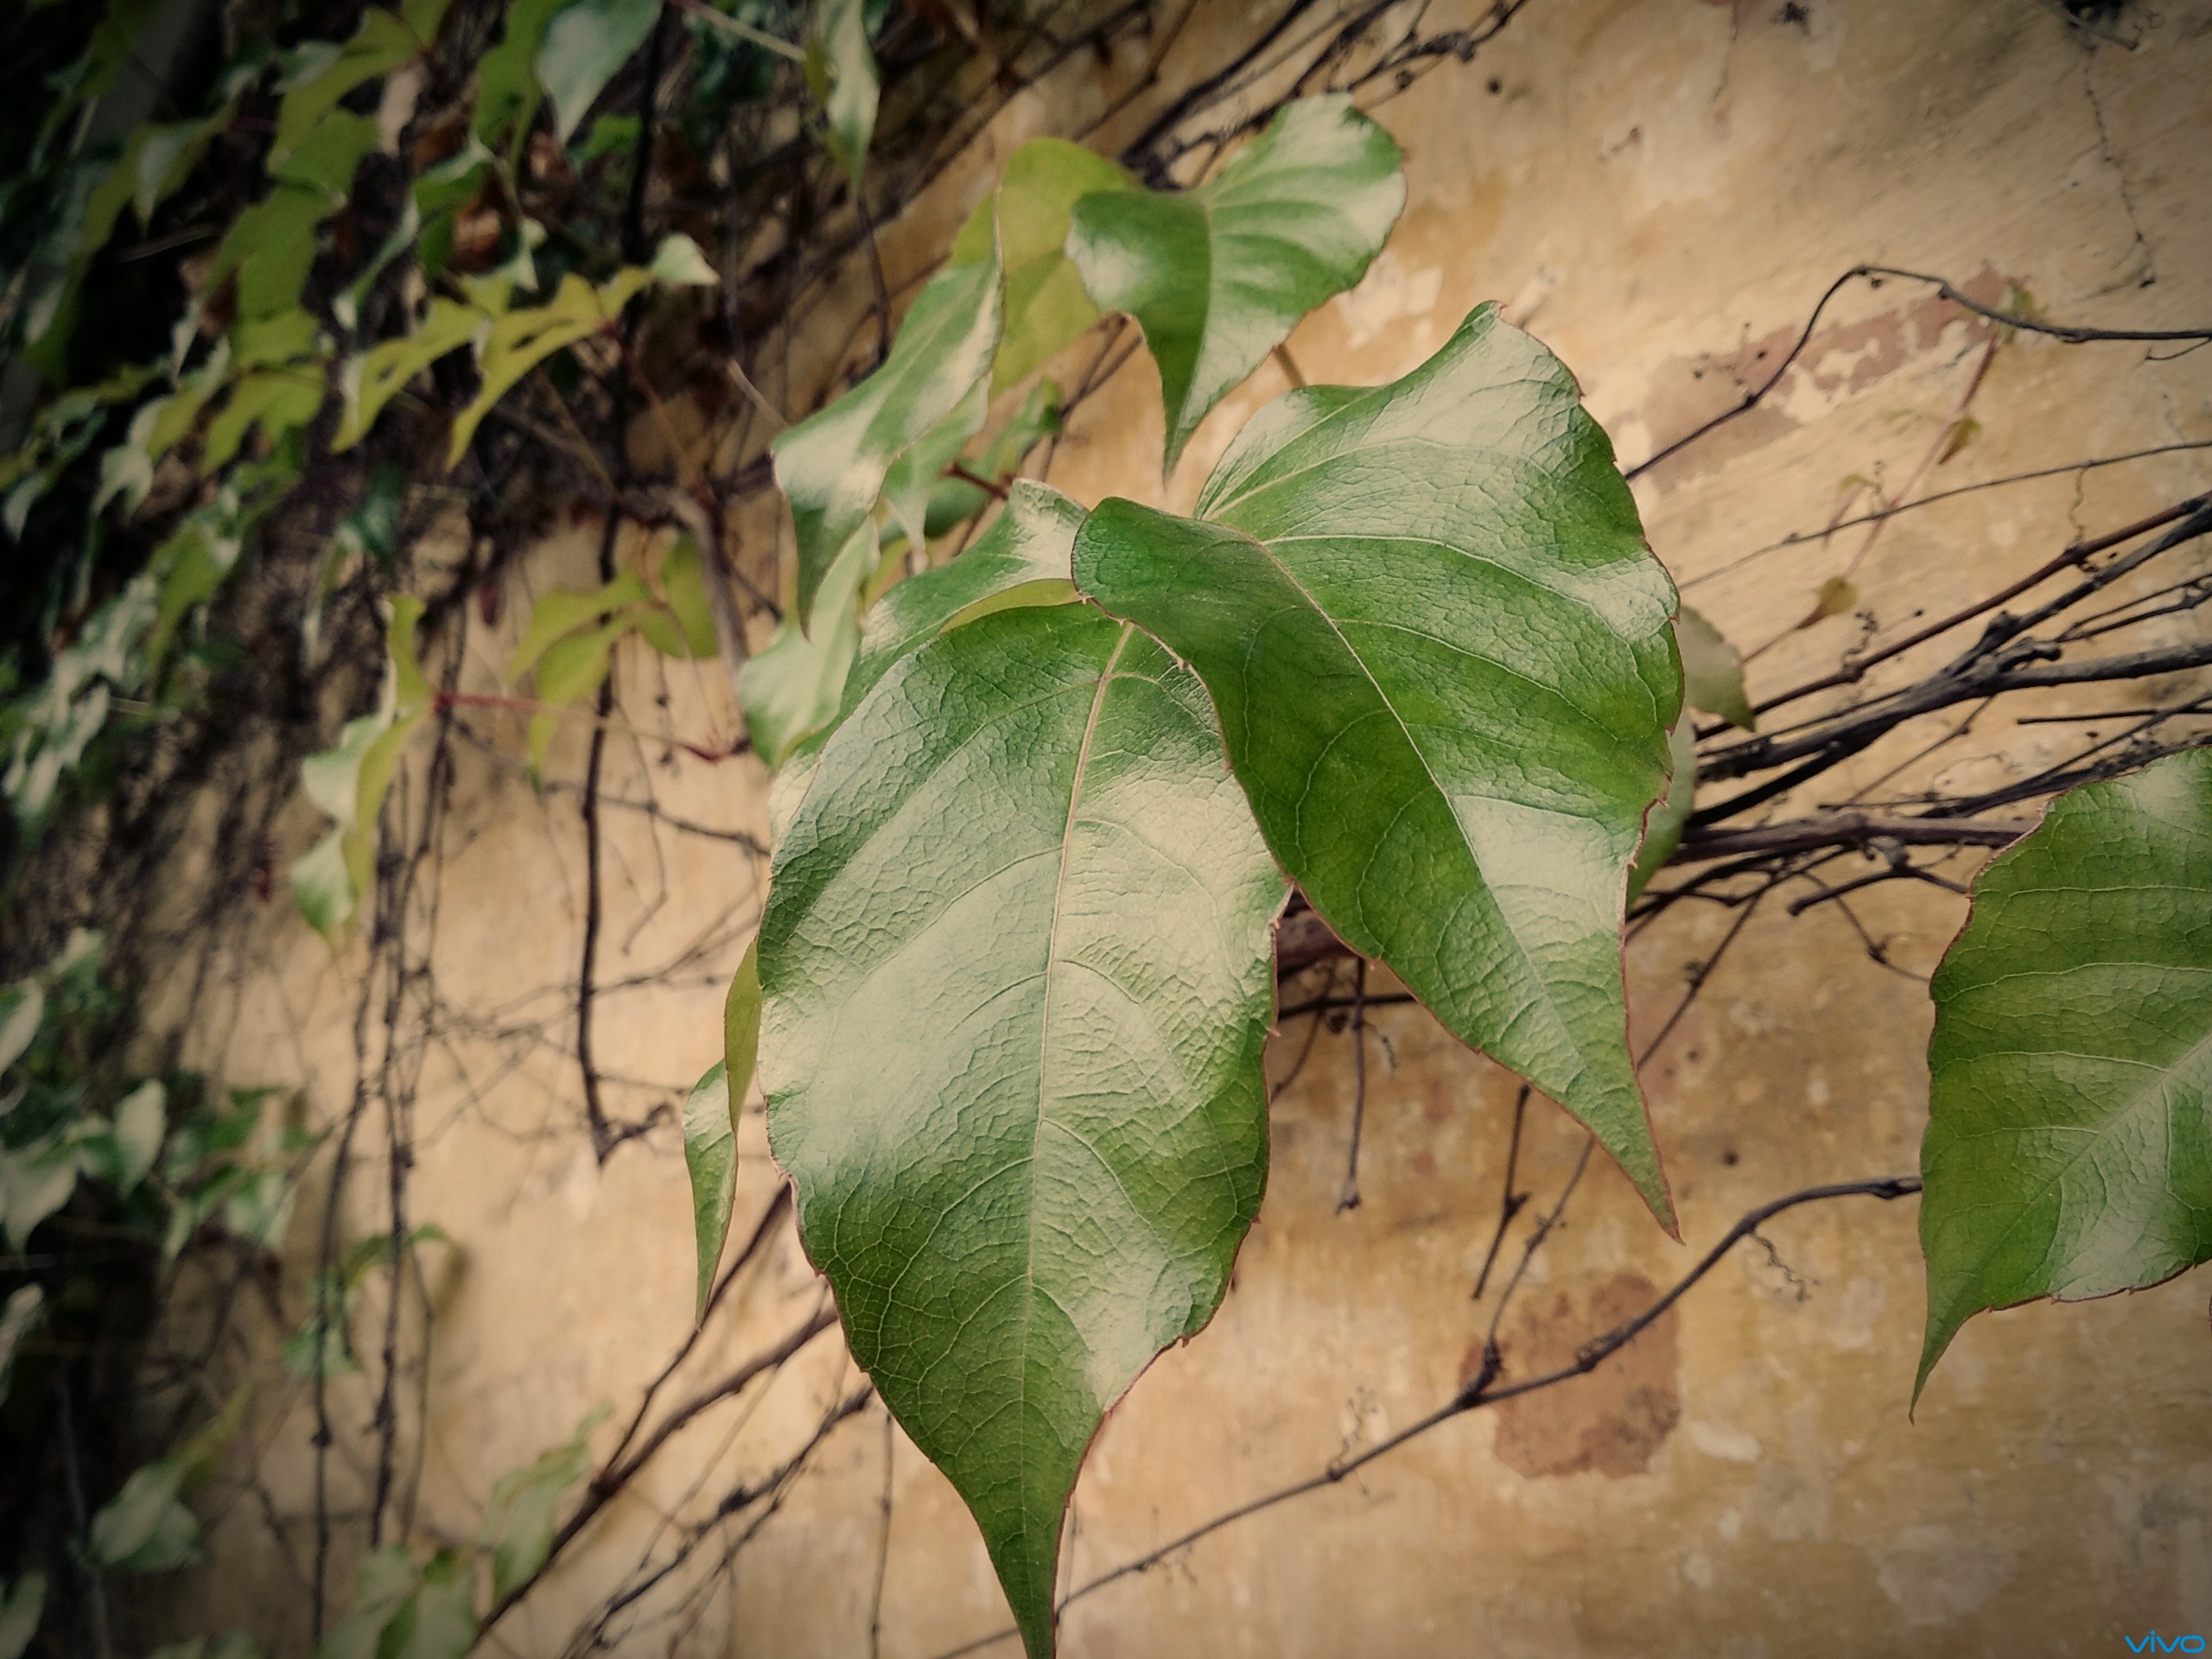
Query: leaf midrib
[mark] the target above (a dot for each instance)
(1459, 830)
(1030, 1291)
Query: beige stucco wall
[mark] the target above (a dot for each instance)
(1660, 190)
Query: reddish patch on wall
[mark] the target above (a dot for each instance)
(1840, 357)
(1614, 1419)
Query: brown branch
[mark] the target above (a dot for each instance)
(1481, 1390)
(1848, 830)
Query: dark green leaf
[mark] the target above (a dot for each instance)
(1712, 671)
(832, 465)
(2068, 1151)
(144, 1528)
(1441, 656)
(1217, 276)
(1016, 973)
(583, 47)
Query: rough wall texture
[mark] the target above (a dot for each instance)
(1661, 189)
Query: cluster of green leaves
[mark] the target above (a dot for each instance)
(166, 1162)
(405, 1608)
(1410, 653)
(230, 412)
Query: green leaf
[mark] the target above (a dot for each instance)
(141, 1120)
(518, 341)
(840, 72)
(910, 486)
(507, 76)
(1045, 305)
(2068, 1151)
(584, 47)
(382, 1585)
(1712, 671)
(36, 1180)
(710, 1121)
(1663, 827)
(20, 1605)
(1217, 276)
(572, 669)
(796, 685)
(1440, 652)
(377, 375)
(832, 465)
(22, 1005)
(277, 400)
(439, 1620)
(560, 611)
(24, 1314)
(385, 40)
(710, 1155)
(518, 1521)
(1022, 559)
(683, 584)
(1016, 974)
(145, 1528)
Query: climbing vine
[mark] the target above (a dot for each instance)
(1064, 794)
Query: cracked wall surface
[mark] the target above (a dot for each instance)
(1662, 190)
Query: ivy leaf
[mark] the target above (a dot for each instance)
(1045, 305)
(955, 500)
(796, 685)
(1016, 973)
(22, 1005)
(377, 375)
(1217, 276)
(1440, 652)
(518, 1521)
(2068, 1151)
(1712, 671)
(841, 73)
(1022, 559)
(832, 465)
(571, 670)
(385, 40)
(276, 401)
(519, 340)
(584, 47)
(507, 76)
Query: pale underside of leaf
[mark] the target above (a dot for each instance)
(1016, 972)
(2068, 1151)
(1439, 652)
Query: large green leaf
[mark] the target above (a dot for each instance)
(1441, 656)
(1016, 973)
(2068, 1151)
(1218, 276)
(832, 465)
(1046, 306)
